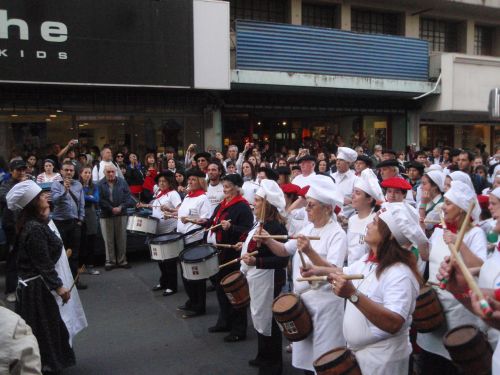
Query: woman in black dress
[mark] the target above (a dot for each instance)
(39, 250)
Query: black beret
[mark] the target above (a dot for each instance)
(167, 174)
(234, 178)
(366, 160)
(17, 164)
(388, 163)
(283, 170)
(305, 158)
(271, 174)
(296, 168)
(415, 164)
(203, 154)
(195, 172)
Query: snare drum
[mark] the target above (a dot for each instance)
(469, 349)
(235, 286)
(338, 361)
(292, 317)
(140, 224)
(166, 246)
(199, 262)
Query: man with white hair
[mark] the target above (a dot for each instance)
(106, 159)
(114, 199)
(232, 155)
(307, 164)
(345, 177)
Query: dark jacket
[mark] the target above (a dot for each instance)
(121, 197)
(8, 217)
(134, 176)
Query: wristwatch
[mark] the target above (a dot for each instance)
(354, 298)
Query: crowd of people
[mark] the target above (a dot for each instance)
(388, 216)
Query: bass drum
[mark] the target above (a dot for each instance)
(199, 262)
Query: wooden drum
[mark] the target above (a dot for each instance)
(428, 315)
(292, 317)
(469, 349)
(338, 361)
(235, 286)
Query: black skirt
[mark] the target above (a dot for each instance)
(38, 308)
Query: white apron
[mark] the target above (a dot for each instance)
(72, 312)
(456, 314)
(374, 356)
(488, 278)
(261, 286)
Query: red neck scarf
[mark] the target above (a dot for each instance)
(371, 257)
(219, 216)
(196, 193)
(161, 193)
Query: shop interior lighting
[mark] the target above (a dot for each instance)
(48, 120)
(52, 116)
(14, 115)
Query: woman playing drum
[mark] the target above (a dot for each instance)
(325, 308)
(192, 214)
(167, 199)
(266, 276)
(378, 314)
(236, 218)
(435, 357)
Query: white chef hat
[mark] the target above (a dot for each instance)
(496, 192)
(462, 195)
(403, 222)
(437, 176)
(463, 177)
(347, 154)
(368, 182)
(434, 167)
(21, 194)
(323, 189)
(271, 192)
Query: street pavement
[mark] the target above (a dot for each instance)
(135, 331)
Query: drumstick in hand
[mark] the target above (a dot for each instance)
(285, 237)
(236, 260)
(80, 270)
(325, 278)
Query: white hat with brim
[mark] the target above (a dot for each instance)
(21, 194)
(347, 154)
(462, 195)
(272, 193)
(323, 189)
(403, 222)
(368, 182)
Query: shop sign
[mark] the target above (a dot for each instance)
(95, 42)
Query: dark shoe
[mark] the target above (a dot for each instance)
(211, 288)
(255, 362)
(168, 292)
(234, 338)
(184, 307)
(81, 286)
(191, 314)
(126, 266)
(156, 288)
(109, 267)
(216, 329)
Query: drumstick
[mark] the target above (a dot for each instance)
(459, 239)
(285, 237)
(80, 270)
(225, 245)
(432, 221)
(236, 260)
(215, 226)
(325, 278)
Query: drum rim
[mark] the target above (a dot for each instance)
(154, 240)
(453, 330)
(233, 281)
(294, 307)
(328, 365)
(181, 257)
(145, 217)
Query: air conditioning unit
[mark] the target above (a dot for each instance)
(494, 104)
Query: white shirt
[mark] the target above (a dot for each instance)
(356, 246)
(194, 207)
(98, 173)
(171, 199)
(302, 180)
(215, 194)
(345, 185)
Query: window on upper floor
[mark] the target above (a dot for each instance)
(374, 22)
(318, 15)
(442, 35)
(259, 10)
(483, 40)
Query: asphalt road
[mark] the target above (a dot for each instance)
(135, 331)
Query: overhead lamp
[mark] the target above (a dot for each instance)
(52, 116)
(59, 110)
(14, 115)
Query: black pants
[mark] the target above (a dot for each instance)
(433, 364)
(70, 232)
(168, 277)
(235, 319)
(270, 348)
(10, 270)
(87, 246)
